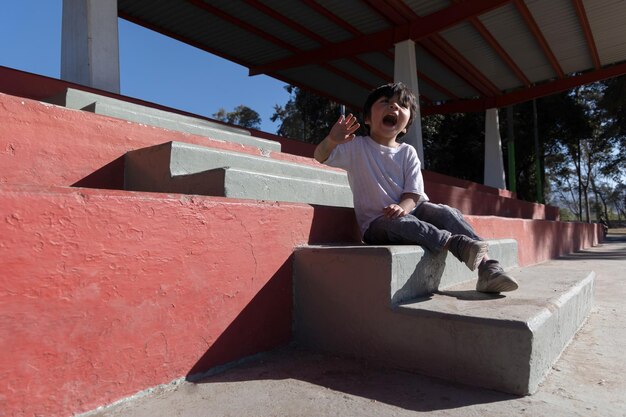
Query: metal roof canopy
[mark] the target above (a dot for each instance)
(471, 55)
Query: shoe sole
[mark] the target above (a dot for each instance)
(477, 253)
(499, 284)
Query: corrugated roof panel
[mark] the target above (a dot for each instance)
(471, 44)
(441, 75)
(198, 25)
(265, 23)
(358, 72)
(309, 19)
(508, 27)
(607, 19)
(560, 26)
(357, 14)
(233, 41)
(426, 7)
(384, 64)
(381, 62)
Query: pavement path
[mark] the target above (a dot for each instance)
(588, 380)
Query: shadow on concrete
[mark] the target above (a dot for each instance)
(470, 295)
(357, 378)
(263, 324)
(617, 253)
(109, 176)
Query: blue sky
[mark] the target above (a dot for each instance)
(153, 67)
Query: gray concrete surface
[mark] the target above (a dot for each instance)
(405, 272)
(191, 169)
(589, 379)
(348, 301)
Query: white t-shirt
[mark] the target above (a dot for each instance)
(378, 175)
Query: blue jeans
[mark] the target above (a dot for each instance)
(429, 225)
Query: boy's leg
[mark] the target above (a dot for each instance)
(409, 230)
(446, 218)
(406, 230)
(465, 244)
(491, 277)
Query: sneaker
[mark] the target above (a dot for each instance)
(468, 250)
(493, 279)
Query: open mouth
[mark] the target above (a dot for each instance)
(390, 120)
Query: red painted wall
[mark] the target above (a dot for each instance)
(106, 293)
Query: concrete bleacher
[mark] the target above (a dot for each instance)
(191, 169)
(401, 307)
(110, 291)
(82, 100)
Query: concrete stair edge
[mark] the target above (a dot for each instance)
(112, 107)
(195, 128)
(254, 185)
(183, 159)
(79, 99)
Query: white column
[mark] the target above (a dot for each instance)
(405, 70)
(494, 166)
(89, 44)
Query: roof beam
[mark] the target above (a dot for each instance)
(584, 23)
(543, 44)
(521, 96)
(416, 30)
(397, 13)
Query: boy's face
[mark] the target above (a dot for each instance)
(388, 118)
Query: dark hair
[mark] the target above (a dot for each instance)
(405, 97)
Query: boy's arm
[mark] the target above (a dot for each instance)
(407, 203)
(341, 132)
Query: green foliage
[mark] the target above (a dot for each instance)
(454, 144)
(306, 117)
(241, 116)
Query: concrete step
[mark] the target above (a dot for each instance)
(246, 184)
(108, 106)
(190, 169)
(353, 302)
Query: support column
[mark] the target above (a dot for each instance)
(405, 70)
(511, 149)
(494, 166)
(90, 45)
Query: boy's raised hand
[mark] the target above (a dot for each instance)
(343, 130)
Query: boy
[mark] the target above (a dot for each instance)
(386, 181)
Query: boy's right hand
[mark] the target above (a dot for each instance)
(343, 130)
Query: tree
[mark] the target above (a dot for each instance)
(454, 144)
(241, 116)
(306, 117)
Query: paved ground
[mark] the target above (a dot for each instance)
(588, 380)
